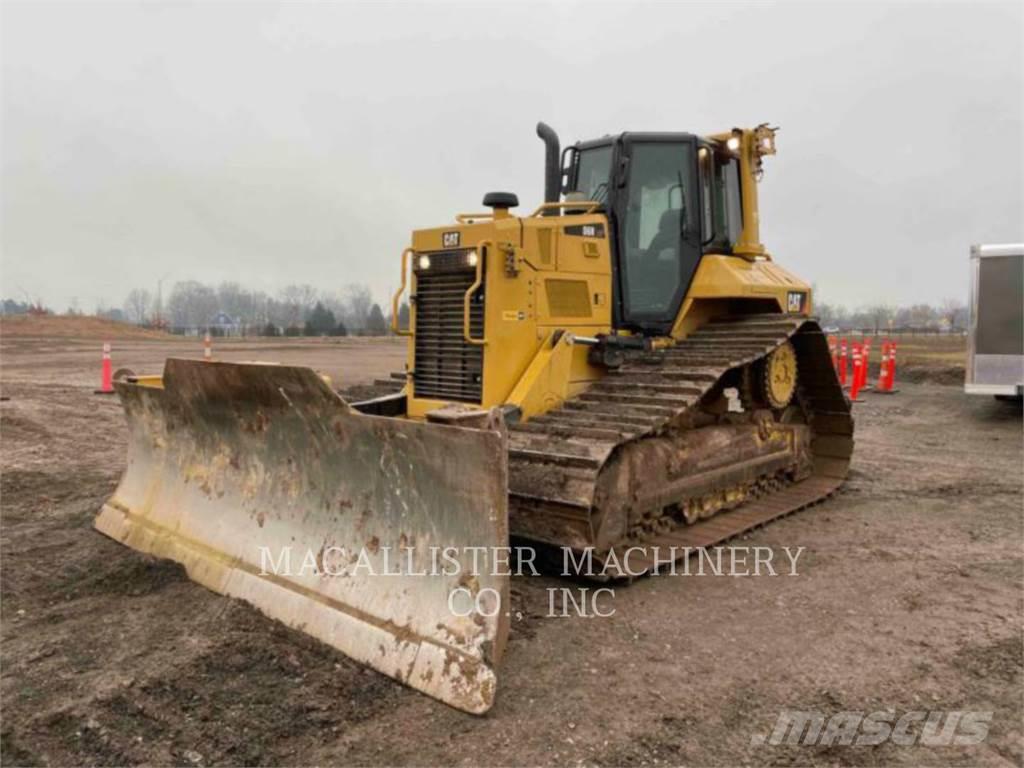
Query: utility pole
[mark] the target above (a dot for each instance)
(159, 309)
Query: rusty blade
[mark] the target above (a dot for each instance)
(266, 486)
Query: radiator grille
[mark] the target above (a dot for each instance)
(447, 367)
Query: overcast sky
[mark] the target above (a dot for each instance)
(271, 143)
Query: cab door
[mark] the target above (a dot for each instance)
(657, 225)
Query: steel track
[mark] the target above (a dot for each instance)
(556, 460)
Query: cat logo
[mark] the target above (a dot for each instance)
(795, 301)
(450, 239)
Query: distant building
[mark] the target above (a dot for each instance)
(224, 325)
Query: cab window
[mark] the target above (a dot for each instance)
(728, 198)
(657, 210)
(722, 202)
(593, 172)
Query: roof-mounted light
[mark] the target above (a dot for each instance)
(764, 138)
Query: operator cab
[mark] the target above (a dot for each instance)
(670, 198)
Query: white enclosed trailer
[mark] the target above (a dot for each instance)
(995, 342)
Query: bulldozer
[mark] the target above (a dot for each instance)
(623, 372)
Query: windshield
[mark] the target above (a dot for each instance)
(593, 171)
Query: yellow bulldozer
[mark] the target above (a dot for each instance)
(623, 372)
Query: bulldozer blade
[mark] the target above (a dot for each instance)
(382, 537)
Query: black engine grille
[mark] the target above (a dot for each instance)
(447, 367)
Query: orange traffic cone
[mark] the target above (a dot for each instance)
(106, 374)
(887, 376)
(842, 363)
(857, 373)
(890, 385)
(883, 368)
(865, 366)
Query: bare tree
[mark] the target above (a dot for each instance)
(828, 314)
(137, 304)
(260, 308)
(954, 313)
(359, 300)
(921, 316)
(277, 312)
(192, 304)
(879, 315)
(235, 300)
(298, 300)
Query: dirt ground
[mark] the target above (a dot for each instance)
(908, 598)
(71, 328)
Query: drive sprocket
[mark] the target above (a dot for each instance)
(771, 381)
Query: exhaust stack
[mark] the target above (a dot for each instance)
(552, 173)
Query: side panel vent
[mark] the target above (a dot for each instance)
(568, 298)
(544, 246)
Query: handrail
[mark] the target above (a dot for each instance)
(398, 294)
(594, 205)
(470, 218)
(481, 254)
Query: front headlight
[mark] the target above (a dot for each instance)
(424, 262)
(472, 259)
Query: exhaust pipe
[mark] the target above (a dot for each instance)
(552, 156)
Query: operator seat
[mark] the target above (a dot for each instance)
(668, 234)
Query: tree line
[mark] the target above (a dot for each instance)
(230, 308)
(948, 315)
(297, 310)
